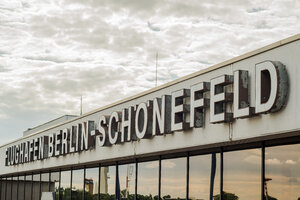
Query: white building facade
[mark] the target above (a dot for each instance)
(227, 132)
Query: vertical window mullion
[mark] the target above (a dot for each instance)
(31, 187)
(221, 173)
(263, 171)
(71, 183)
(11, 187)
(18, 187)
(6, 188)
(136, 179)
(117, 181)
(24, 189)
(99, 181)
(49, 183)
(84, 174)
(159, 178)
(187, 175)
(59, 177)
(40, 189)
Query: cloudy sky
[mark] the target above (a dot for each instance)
(54, 51)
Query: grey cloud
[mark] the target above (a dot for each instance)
(51, 54)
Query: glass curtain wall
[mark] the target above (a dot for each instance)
(54, 182)
(147, 187)
(242, 174)
(91, 183)
(36, 187)
(173, 178)
(65, 185)
(108, 183)
(204, 176)
(282, 177)
(8, 188)
(45, 184)
(21, 188)
(127, 181)
(14, 187)
(77, 184)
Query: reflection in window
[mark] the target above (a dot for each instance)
(242, 174)
(91, 183)
(282, 172)
(127, 181)
(28, 181)
(77, 184)
(21, 188)
(204, 181)
(14, 187)
(173, 178)
(55, 183)
(147, 180)
(65, 184)
(45, 184)
(107, 183)
(36, 187)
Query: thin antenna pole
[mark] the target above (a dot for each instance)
(81, 105)
(156, 70)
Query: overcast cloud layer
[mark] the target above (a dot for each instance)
(52, 52)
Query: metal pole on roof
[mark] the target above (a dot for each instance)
(156, 70)
(81, 105)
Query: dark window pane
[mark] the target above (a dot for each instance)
(77, 184)
(3, 194)
(204, 176)
(283, 172)
(173, 178)
(21, 188)
(36, 187)
(242, 174)
(55, 183)
(65, 183)
(107, 183)
(127, 181)
(8, 188)
(2, 187)
(91, 183)
(28, 181)
(147, 180)
(45, 184)
(14, 187)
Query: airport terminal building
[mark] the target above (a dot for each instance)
(228, 132)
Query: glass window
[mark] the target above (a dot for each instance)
(242, 174)
(28, 181)
(204, 177)
(107, 183)
(77, 184)
(55, 183)
(8, 188)
(36, 187)
(91, 183)
(3, 188)
(45, 183)
(14, 187)
(148, 180)
(65, 185)
(21, 188)
(282, 172)
(173, 178)
(127, 181)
